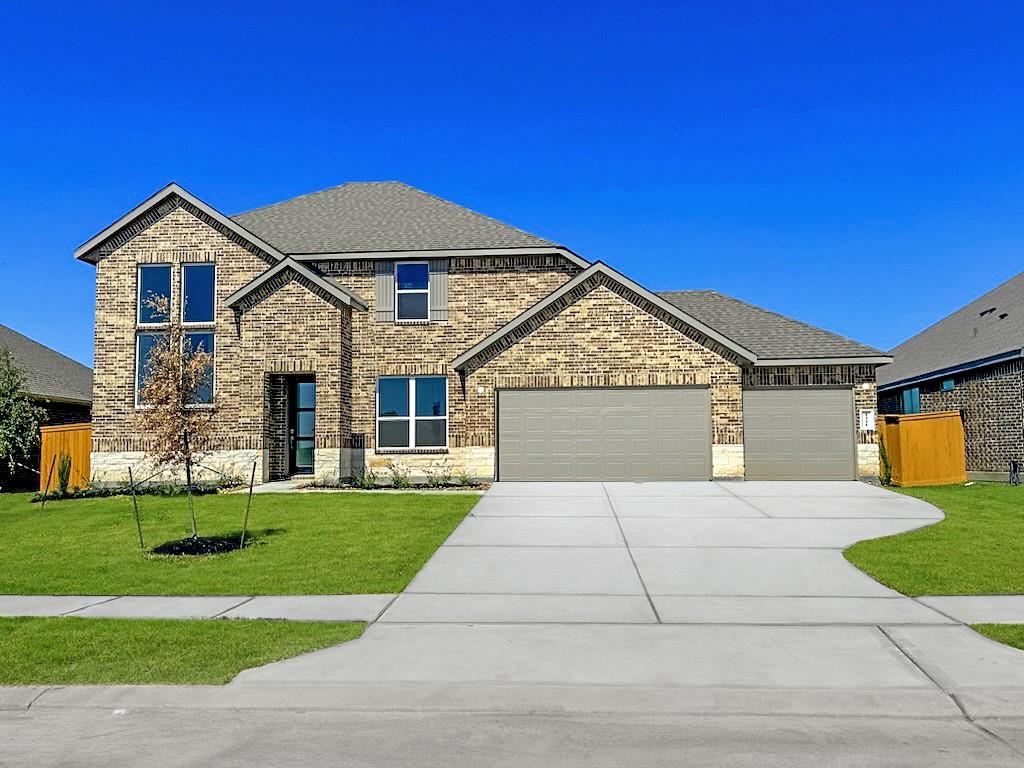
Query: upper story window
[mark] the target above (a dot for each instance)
(412, 291)
(911, 400)
(948, 385)
(154, 284)
(201, 342)
(412, 412)
(197, 293)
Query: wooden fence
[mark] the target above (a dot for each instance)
(924, 448)
(76, 439)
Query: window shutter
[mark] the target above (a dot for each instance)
(384, 291)
(438, 290)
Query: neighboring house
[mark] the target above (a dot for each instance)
(57, 384)
(970, 361)
(374, 325)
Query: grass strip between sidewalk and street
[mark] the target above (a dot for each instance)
(78, 651)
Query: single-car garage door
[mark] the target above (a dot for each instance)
(656, 433)
(798, 434)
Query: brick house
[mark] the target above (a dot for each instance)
(62, 387)
(970, 361)
(372, 325)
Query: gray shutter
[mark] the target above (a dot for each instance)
(384, 291)
(438, 290)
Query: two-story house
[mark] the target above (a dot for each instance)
(373, 324)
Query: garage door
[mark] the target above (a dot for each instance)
(798, 434)
(657, 433)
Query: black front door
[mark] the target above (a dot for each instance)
(301, 418)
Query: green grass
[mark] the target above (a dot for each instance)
(70, 651)
(1009, 634)
(315, 543)
(977, 550)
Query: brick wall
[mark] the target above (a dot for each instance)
(990, 401)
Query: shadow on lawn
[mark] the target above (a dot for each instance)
(214, 545)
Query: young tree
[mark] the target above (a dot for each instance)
(19, 416)
(174, 376)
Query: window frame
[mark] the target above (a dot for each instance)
(915, 399)
(138, 294)
(407, 291)
(139, 405)
(213, 305)
(213, 364)
(951, 382)
(412, 418)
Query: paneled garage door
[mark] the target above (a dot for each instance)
(798, 434)
(657, 433)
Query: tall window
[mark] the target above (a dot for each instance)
(412, 290)
(912, 400)
(412, 412)
(201, 342)
(197, 285)
(154, 283)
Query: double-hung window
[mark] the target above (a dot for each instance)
(412, 291)
(198, 283)
(152, 313)
(412, 412)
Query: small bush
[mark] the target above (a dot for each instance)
(367, 480)
(439, 477)
(465, 479)
(399, 478)
(883, 457)
(63, 472)
(94, 491)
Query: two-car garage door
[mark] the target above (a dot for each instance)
(655, 433)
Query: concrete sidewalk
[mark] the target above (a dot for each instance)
(294, 607)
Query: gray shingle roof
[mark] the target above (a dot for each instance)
(48, 374)
(767, 334)
(970, 334)
(378, 216)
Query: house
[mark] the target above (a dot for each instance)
(970, 361)
(62, 387)
(372, 325)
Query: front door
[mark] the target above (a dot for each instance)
(302, 417)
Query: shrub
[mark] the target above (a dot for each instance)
(63, 472)
(367, 480)
(399, 478)
(465, 479)
(883, 457)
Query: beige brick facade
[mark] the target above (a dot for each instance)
(600, 339)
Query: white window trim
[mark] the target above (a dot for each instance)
(213, 392)
(400, 291)
(181, 311)
(138, 294)
(412, 418)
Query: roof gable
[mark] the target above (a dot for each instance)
(284, 272)
(379, 216)
(988, 329)
(48, 374)
(599, 274)
(154, 208)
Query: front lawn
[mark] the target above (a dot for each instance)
(977, 550)
(70, 651)
(313, 543)
(1009, 634)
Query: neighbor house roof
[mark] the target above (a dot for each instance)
(770, 336)
(988, 330)
(379, 216)
(49, 375)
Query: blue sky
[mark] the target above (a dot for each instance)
(858, 167)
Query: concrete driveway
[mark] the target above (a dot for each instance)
(674, 597)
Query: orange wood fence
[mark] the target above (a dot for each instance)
(76, 440)
(924, 448)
